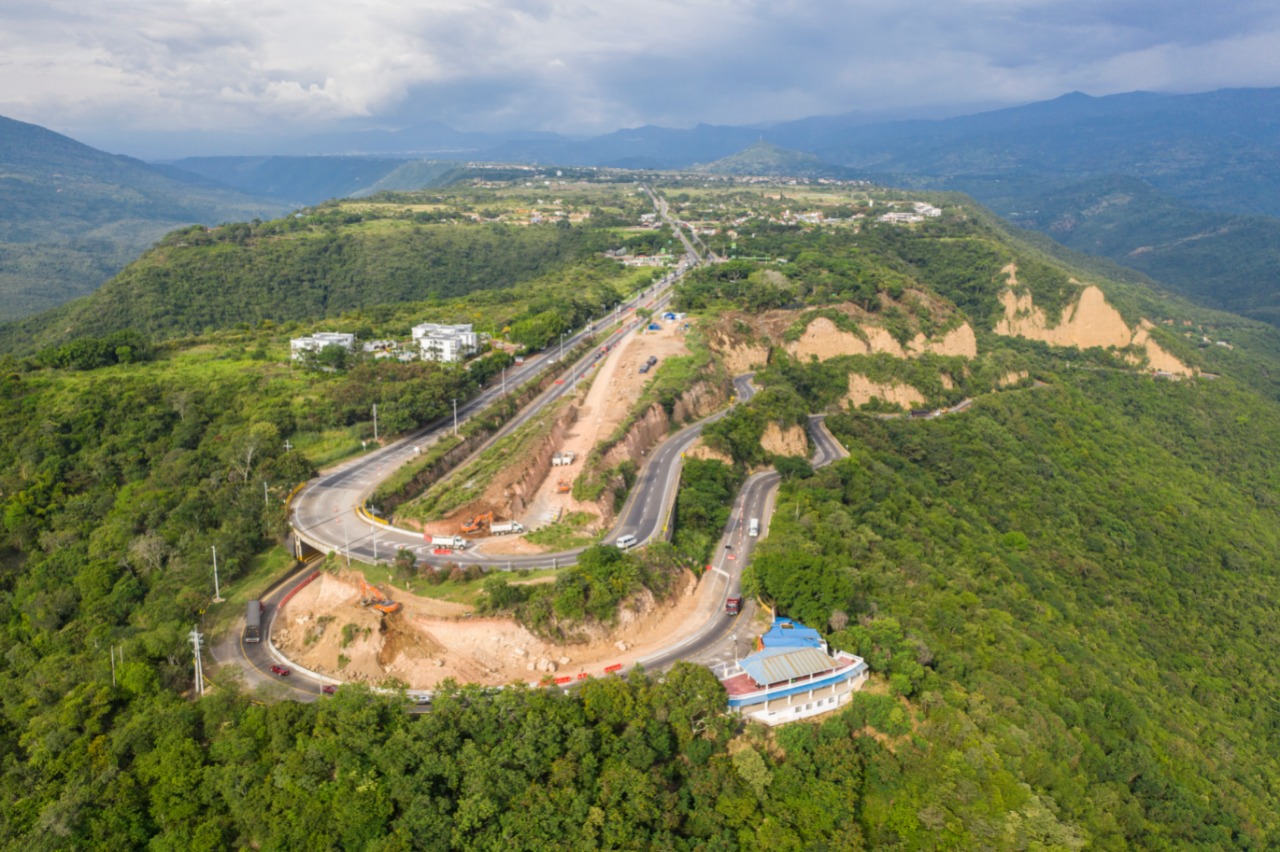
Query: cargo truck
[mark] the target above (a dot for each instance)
(253, 622)
(457, 542)
(733, 606)
(504, 528)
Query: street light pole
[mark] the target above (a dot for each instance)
(217, 594)
(375, 422)
(455, 418)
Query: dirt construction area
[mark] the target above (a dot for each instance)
(614, 390)
(325, 628)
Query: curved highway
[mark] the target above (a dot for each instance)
(326, 514)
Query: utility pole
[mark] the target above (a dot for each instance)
(504, 381)
(195, 644)
(455, 418)
(217, 593)
(112, 649)
(561, 358)
(375, 422)
(346, 543)
(266, 501)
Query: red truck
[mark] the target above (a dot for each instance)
(733, 606)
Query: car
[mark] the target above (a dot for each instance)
(559, 381)
(329, 689)
(280, 670)
(442, 551)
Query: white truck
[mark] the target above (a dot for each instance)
(505, 528)
(560, 459)
(457, 542)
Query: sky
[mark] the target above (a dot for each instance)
(117, 73)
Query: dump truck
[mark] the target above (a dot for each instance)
(506, 527)
(563, 458)
(457, 542)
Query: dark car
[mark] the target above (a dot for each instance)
(280, 670)
(328, 689)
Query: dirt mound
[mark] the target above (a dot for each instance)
(791, 441)
(862, 390)
(351, 642)
(1088, 321)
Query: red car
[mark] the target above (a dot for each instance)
(328, 689)
(280, 670)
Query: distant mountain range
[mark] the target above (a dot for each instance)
(1199, 176)
(71, 215)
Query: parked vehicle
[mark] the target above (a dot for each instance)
(253, 622)
(280, 670)
(733, 606)
(329, 689)
(505, 528)
(455, 541)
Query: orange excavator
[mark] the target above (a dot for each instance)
(477, 522)
(373, 596)
(564, 486)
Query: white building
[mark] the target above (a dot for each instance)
(299, 346)
(793, 676)
(447, 343)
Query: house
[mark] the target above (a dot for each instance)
(445, 343)
(299, 346)
(791, 676)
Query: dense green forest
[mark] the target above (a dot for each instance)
(1066, 592)
(199, 280)
(1074, 585)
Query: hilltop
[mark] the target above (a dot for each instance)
(1052, 541)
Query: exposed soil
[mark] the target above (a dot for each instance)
(422, 647)
(615, 388)
(528, 490)
(862, 389)
(1089, 321)
(791, 441)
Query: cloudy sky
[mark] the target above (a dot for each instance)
(111, 71)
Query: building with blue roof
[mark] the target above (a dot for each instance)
(791, 676)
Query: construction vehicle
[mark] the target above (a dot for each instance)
(457, 542)
(477, 522)
(373, 596)
(504, 528)
(564, 486)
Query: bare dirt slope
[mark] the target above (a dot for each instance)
(616, 386)
(423, 646)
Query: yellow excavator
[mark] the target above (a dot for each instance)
(373, 596)
(477, 522)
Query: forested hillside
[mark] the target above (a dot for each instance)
(310, 266)
(71, 215)
(1065, 588)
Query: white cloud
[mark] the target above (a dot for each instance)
(580, 65)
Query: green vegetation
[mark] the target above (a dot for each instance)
(1092, 559)
(565, 534)
(588, 592)
(1067, 595)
